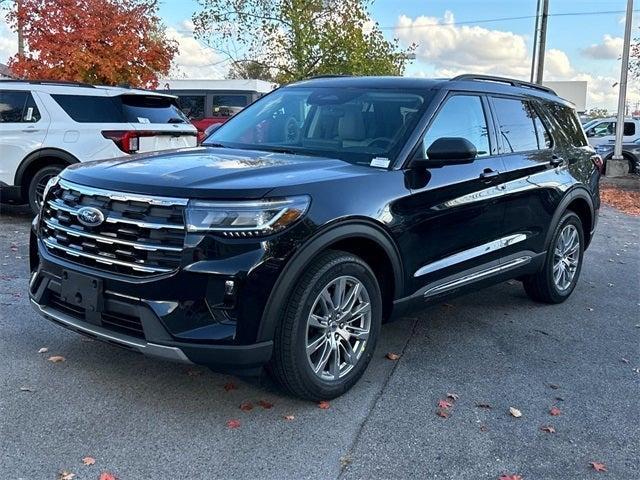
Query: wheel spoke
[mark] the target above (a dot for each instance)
(317, 321)
(351, 299)
(360, 310)
(339, 292)
(324, 358)
(357, 333)
(349, 354)
(316, 344)
(327, 301)
(334, 368)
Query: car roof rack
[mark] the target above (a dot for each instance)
(509, 81)
(65, 83)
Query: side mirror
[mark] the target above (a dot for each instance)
(447, 151)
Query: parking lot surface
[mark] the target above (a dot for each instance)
(491, 350)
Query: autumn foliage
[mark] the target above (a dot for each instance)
(95, 41)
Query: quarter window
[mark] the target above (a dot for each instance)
(461, 116)
(18, 107)
(520, 128)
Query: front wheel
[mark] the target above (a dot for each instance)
(330, 328)
(562, 266)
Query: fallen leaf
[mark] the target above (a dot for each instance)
(443, 404)
(246, 406)
(324, 405)
(107, 476)
(392, 356)
(598, 467)
(345, 461)
(554, 386)
(194, 373)
(625, 360)
(555, 411)
(510, 477)
(453, 396)
(56, 359)
(548, 429)
(483, 428)
(64, 475)
(483, 405)
(230, 386)
(441, 412)
(289, 417)
(515, 412)
(43, 350)
(233, 423)
(264, 404)
(560, 399)
(26, 389)
(88, 460)
(626, 200)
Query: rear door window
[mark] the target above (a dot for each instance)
(629, 129)
(519, 126)
(18, 107)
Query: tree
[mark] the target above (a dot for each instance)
(296, 39)
(250, 69)
(598, 113)
(95, 41)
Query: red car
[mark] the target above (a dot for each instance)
(207, 102)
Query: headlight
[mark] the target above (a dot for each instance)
(53, 181)
(245, 219)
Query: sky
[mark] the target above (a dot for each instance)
(457, 36)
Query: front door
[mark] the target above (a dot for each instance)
(455, 217)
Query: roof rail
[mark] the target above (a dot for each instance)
(329, 75)
(48, 82)
(510, 81)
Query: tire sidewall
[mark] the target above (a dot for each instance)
(558, 295)
(43, 172)
(350, 266)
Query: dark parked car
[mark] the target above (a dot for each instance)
(322, 210)
(630, 152)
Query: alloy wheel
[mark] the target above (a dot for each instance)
(566, 257)
(338, 327)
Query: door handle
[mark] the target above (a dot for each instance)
(489, 175)
(556, 161)
(29, 130)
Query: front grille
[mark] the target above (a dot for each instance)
(140, 235)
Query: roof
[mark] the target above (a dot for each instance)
(250, 85)
(61, 87)
(475, 83)
(5, 71)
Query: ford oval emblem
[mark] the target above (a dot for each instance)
(90, 216)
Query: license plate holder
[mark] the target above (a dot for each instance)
(81, 290)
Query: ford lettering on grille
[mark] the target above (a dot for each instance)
(90, 216)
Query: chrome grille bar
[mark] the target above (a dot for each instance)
(109, 240)
(53, 243)
(123, 196)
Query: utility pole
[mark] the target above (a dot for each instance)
(542, 43)
(617, 166)
(535, 44)
(20, 30)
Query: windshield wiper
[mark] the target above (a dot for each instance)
(175, 120)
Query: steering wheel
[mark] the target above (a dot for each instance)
(375, 142)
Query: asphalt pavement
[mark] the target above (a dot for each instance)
(490, 351)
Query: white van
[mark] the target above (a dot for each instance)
(603, 130)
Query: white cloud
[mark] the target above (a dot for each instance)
(8, 42)
(195, 60)
(609, 49)
(471, 48)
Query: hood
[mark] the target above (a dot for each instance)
(207, 172)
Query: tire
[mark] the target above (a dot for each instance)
(37, 183)
(291, 366)
(543, 286)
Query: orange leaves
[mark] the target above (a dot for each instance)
(93, 50)
(554, 411)
(264, 404)
(548, 429)
(56, 359)
(230, 386)
(324, 405)
(598, 467)
(233, 423)
(246, 406)
(89, 460)
(510, 477)
(392, 356)
(107, 476)
(444, 406)
(625, 200)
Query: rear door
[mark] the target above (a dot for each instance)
(23, 127)
(531, 181)
(160, 122)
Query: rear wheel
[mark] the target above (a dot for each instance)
(561, 270)
(38, 183)
(330, 327)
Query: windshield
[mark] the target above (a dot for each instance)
(352, 124)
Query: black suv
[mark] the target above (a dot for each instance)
(320, 211)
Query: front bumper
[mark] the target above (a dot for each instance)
(180, 317)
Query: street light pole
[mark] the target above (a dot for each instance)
(535, 44)
(617, 166)
(542, 42)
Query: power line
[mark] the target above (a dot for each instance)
(502, 19)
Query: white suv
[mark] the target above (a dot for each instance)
(46, 126)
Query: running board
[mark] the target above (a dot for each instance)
(476, 276)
